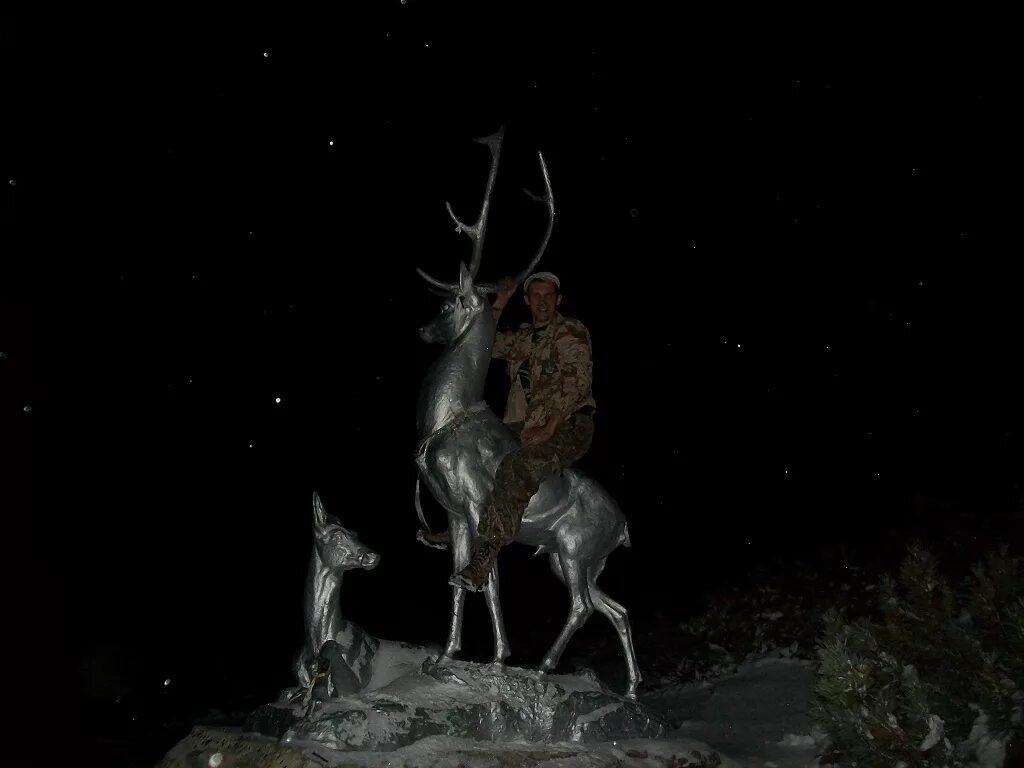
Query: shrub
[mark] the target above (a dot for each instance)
(935, 677)
(775, 610)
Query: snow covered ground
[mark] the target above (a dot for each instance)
(754, 717)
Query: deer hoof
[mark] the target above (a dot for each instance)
(540, 675)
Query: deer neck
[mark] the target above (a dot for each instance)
(324, 621)
(456, 380)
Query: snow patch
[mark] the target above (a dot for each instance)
(989, 751)
(936, 727)
(797, 740)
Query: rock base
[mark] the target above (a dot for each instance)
(463, 700)
(207, 746)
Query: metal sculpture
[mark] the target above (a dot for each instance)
(335, 550)
(572, 517)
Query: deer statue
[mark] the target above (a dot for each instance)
(335, 550)
(571, 517)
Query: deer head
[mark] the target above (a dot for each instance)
(458, 313)
(465, 295)
(338, 548)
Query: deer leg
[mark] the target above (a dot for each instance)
(460, 558)
(556, 566)
(501, 647)
(619, 618)
(575, 579)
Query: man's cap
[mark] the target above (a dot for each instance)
(550, 277)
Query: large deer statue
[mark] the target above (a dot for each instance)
(571, 517)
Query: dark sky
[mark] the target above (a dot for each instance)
(804, 314)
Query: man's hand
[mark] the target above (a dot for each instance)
(538, 435)
(507, 289)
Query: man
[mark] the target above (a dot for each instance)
(550, 406)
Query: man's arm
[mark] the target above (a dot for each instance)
(502, 341)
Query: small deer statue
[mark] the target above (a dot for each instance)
(571, 518)
(330, 641)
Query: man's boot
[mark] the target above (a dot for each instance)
(474, 576)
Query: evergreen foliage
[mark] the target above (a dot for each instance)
(935, 677)
(775, 611)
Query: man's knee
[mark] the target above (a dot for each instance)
(524, 457)
(510, 465)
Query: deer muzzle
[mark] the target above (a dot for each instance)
(429, 333)
(369, 561)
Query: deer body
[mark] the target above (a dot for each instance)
(335, 550)
(462, 442)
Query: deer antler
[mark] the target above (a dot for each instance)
(477, 231)
(549, 199)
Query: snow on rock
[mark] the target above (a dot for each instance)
(410, 697)
(208, 745)
(756, 718)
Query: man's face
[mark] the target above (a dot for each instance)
(542, 298)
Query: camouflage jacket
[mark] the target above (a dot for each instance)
(561, 369)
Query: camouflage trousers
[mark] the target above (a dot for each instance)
(523, 470)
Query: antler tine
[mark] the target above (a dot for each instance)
(445, 287)
(475, 232)
(549, 199)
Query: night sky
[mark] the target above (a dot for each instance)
(805, 318)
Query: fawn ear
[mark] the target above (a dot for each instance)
(319, 516)
(465, 278)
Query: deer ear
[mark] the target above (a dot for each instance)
(465, 278)
(319, 516)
